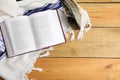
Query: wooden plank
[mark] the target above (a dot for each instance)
(103, 15)
(98, 42)
(98, 0)
(77, 69)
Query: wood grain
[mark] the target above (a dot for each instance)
(103, 15)
(98, 0)
(77, 69)
(99, 42)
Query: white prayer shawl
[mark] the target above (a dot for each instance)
(17, 67)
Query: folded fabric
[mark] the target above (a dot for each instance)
(9, 7)
(2, 48)
(49, 6)
(17, 67)
(28, 5)
(79, 14)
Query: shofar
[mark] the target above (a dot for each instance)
(75, 11)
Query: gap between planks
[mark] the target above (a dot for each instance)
(98, 42)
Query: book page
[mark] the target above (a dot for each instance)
(6, 38)
(20, 34)
(47, 29)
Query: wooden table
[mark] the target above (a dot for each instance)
(77, 69)
(105, 17)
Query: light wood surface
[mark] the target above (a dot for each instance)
(101, 41)
(103, 14)
(77, 69)
(98, 42)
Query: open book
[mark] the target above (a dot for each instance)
(28, 33)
